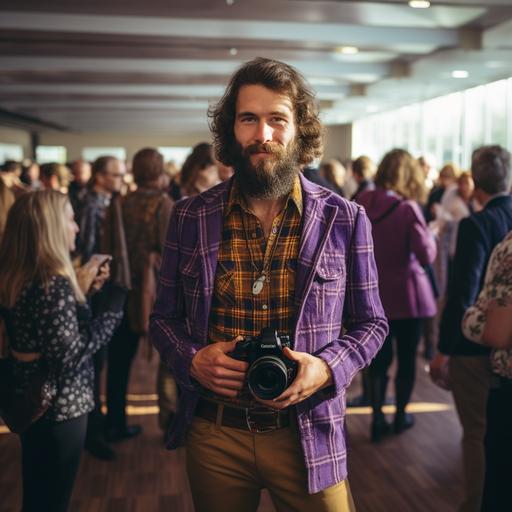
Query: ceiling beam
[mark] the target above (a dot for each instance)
(331, 33)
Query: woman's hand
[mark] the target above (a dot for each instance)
(101, 278)
(86, 275)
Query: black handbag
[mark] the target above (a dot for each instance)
(22, 403)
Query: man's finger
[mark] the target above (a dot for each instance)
(227, 374)
(228, 384)
(232, 364)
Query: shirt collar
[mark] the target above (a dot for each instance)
(237, 199)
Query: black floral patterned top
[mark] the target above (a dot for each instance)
(51, 322)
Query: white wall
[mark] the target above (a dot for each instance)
(16, 136)
(338, 142)
(132, 143)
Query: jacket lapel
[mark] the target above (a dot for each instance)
(210, 216)
(317, 223)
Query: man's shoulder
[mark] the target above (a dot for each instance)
(492, 216)
(207, 203)
(318, 194)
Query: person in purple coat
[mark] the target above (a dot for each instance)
(266, 249)
(403, 245)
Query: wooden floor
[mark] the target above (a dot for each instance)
(416, 471)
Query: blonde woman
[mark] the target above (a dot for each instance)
(403, 245)
(47, 319)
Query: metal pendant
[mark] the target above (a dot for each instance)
(258, 285)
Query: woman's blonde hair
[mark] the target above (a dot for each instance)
(400, 172)
(35, 245)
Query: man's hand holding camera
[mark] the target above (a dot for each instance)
(313, 375)
(223, 368)
(214, 369)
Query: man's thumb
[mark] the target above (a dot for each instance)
(291, 354)
(229, 346)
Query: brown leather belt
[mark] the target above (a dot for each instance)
(255, 419)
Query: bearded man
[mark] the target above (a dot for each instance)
(266, 252)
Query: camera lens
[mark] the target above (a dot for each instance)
(267, 377)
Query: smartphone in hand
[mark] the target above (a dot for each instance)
(100, 260)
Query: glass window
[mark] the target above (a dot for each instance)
(496, 113)
(473, 123)
(49, 154)
(176, 154)
(90, 154)
(11, 152)
(447, 129)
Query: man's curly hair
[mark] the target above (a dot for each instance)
(279, 77)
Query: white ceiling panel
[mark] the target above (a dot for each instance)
(157, 66)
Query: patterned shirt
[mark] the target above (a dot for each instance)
(497, 286)
(244, 255)
(51, 322)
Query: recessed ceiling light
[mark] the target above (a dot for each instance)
(347, 50)
(230, 2)
(233, 51)
(460, 73)
(419, 4)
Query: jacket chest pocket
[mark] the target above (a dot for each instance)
(328, 287)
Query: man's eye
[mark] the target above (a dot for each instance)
(279, 120)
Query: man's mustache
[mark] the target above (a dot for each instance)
(266, 147)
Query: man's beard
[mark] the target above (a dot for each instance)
(272, 177)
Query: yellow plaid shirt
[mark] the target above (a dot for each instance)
(243, 255)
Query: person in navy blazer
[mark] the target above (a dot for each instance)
(461, 364)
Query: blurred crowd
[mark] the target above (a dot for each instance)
(432, 245)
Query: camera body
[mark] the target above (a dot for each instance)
(270, 372)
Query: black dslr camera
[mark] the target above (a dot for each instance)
(270, 372)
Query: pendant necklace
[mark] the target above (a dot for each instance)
(259, 283)
(257, 287)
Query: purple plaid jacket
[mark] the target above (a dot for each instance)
(336, 286)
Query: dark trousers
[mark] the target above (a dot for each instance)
(51, 454)
(498, 449)
(121, 351)
(95, 424)
(407, 333)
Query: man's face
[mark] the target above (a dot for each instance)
(113, 176)
(265, 132)
(82, 172)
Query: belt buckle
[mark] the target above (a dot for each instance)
(251, 425)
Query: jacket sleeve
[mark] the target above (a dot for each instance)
(468, 269)
(364, 319)
(167, 328)
(423, 244)
(87, 234)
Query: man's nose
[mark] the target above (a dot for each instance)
(263, 132)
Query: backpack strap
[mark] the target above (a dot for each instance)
(387, 213)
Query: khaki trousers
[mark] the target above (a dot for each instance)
(228, 467)
(470, 380)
